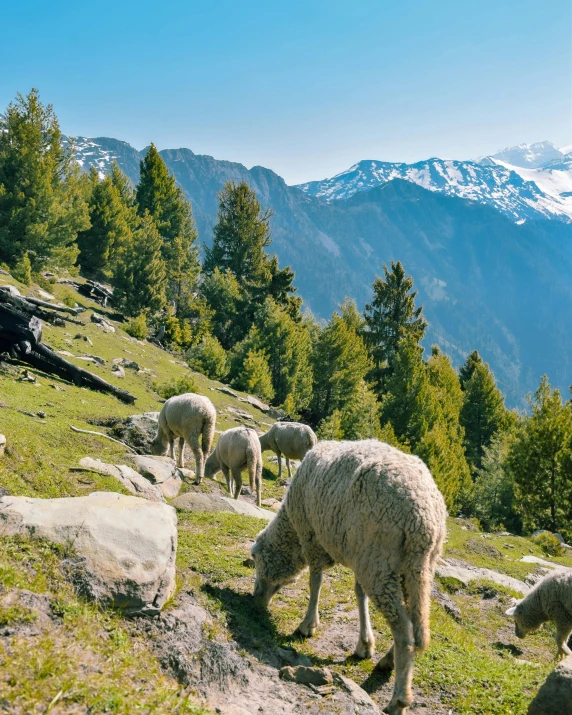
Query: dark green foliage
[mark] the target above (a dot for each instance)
(541, 460)
(159, 195)
(209, 357)
(42, 207)
(483, 412)
(254, 375)
(22, 271)
(139, 275)
(137, 327)
(389, 317)
(111, 227)
(224, 298)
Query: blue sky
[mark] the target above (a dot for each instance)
(305, 88)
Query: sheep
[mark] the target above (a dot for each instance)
(237, 449)
(549, 600)
(290, 439)
(187, 417)
(377, 511)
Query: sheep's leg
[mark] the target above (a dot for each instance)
(259, 485)
(172, 446)
(312, 620)
(237, 479)
(193, 443)
(229, 482)
(279, 455)
(563, 628)
(389, 600)
(181, 460)
(288, 465)
(366, 643)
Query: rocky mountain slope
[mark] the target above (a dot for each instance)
(212, 649)
(487, 280)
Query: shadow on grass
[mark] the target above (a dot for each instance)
(250, 625)
(269, 474)
(376, 680)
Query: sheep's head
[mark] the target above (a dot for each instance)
(525, 619)
(157, 447)
(274, 569)
(211, 466)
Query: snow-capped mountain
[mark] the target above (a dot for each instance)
(518, 193)
(528, 156)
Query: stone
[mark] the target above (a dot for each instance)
(555, 695)
(465, 572)
(546, 564)
(97, 359)
(363, 703)
(12, 290)
(305, 675)
(444, 600)
(124, 547)
(198, 501)
(156, 469)
(270, 502)
(227, 391)
(65, 353)
(102, 323)
(138, 431)
(118, 370)
(2, 444)
(292, 657)
(255, 402)
(131, 480)
(237, 412)
(124, 362)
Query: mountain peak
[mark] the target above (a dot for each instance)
(527, 156)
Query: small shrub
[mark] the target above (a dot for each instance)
(137, 327)
(67, 296)
(43, 282)
(209, 357)
(175, 387)
(548, 543)
(22, 271)
(450, 584)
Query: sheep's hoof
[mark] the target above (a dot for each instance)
(397, 706)
(364, 650)
(386, 663)
(197, 482)
(306, 631)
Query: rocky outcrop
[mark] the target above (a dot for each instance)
(122, 549)
(138, 431)
(198, 501)
(160, 471)
(465, 573)
(129, 478)
(555, 696)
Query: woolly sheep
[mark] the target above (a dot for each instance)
(188, 417)
(237, 449)
(549, 600)
(377, 511)
(290, 439)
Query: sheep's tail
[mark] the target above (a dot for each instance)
(207, 434)
(254, 464)
(418, 582)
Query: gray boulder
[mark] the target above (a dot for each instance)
(138, 431)
(160, 471)
(198, 501)
(123, 548)
(555, 696)
(129, 478)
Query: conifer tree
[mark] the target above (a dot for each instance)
(111, 227)
(341, 362)
(42, 207)
(254, 376)
(139, 276)
(541, 461)
(159, 195)
(389, 317)
(123, 185)
(483, 413)
(224, 298)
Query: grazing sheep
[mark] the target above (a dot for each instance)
(290, 439)
(370, 507)
(237, 449)
(549, 600)
(188, 417)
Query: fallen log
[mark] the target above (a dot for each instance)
(33, 306)
(58, 308)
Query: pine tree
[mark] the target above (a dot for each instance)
(42, 207)
(254, 376)
(110, 230)
(159, 195)
(541, 461)
(123, 185)
(483, 413)
(139, 276)
(224, 297)
(389, 317)
(341, 363)
(209, 357)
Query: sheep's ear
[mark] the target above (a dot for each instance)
(256, 547)
(511, 611)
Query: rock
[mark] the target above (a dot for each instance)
(65, 353)
(118, 371)
(293, 658)
(305, 675)
(270, 502)
(464, 572)
(255, 402)
(555, 696)
(12, 290)
(96, 358)
(364, 704)
(443, 599)
(102, 323)
(27, 376)
(85, 338)
(124, 362)
(198, 501)
(124, 547)
(227, 391)
(542, 562)
(2, 444)
(156, 469)
(131, 480)
(42, 414)
(138, 431)
(237, 412)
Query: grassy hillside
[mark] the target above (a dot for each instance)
(73, 658)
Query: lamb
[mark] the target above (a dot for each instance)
(188, 417)
(237, 449)
(549, 600)
(377, 511)
(291, 439)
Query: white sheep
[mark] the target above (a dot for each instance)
(370, 507)
(549, 600)
(237, 449)
(291, 439)
(189, 417)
